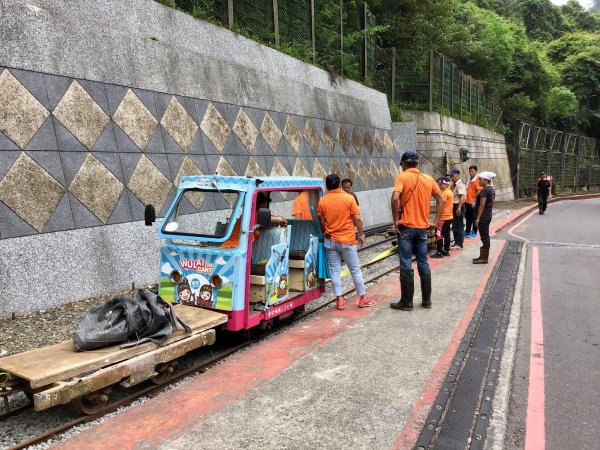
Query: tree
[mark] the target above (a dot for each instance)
(543, 20)
(578, 18)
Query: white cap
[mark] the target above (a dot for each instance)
(487, 175)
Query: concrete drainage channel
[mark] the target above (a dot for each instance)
(460, 416)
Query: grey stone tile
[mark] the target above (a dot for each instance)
(279, 119)
(7, 159)
(82, 216)
(149, 99)
(97, 92)
(256, 116)
(66, 141)
(300, 122)
(200, 108)
(162, 103)
(157, 143)
(137, 207)
(71, 163)
(262, 148)
(12, 225)
(235, 147)
(162, 163)
(6, 143)
(124, 143)
(308, 162)
(122, 212)
(305, 150)
(62, 218)
(168, 202)
(175, 162)
(188, 105)
(129, 162)
(186, 207)
(287, 162)
(265, 163)
(56, 87)
(340, 161)
(114, 96)
(202, 162)
(45, 138)
(112, 162)
(51, 163)
(197, 147)
(243, 161)
(228, 112)
(169, 144)
(322, 151)
(34, 82)
(106, 142)
(209, 148)
(208, 204)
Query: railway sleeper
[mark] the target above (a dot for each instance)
(132, 371)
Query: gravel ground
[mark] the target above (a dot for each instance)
(56, 325)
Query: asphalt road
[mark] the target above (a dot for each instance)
(564, 405)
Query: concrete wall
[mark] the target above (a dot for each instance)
(104, 105)
(439, 139)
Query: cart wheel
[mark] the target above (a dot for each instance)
(91, 403)
(299, 310)
(164, 370)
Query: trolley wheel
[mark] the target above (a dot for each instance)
(164, 370)
(91, 403)
(299, 310)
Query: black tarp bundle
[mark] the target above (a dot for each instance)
(127, 320)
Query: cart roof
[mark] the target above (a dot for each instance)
(249, 183)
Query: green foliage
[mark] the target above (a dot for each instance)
(397, 113)
(559, 103)
(519, 107)
(578, 18)
(542, 19)
(570, 44)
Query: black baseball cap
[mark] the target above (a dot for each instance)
(454, 172)
(409, 155)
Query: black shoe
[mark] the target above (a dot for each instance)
(438, 255)
(445, 253)
(402, 306)
(426, 305)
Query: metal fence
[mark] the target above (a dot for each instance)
(425, 80)
(572, 161)
(331, 33)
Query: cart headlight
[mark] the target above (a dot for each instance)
(175, 276)
(216, 281)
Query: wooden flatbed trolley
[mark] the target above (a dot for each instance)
(58, 374)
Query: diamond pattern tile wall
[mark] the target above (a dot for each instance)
(178, 123)
(135, 120)
(81, 115)
(97, 188)
(21, 114)
(96, 163)
(30, 192)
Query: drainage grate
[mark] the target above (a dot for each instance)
(459, 418)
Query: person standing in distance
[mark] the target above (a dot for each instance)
(458, 208)
(410, 212)
(347, 187)
(473, 188)
(442, 234)
(543, 189)
(339, 214)
(483, 214)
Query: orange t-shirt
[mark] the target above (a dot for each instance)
(448, 196)
(337, 208)
(234, 239)
(473, 187)
(415, 204)
(302, 206)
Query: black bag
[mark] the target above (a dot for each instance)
(127, 320)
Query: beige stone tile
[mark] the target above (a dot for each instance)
(21, 114)
(388, 143)
(225, 169)
(149, 184)
(245, 130)
(81, 115)
(374, 173)
(270, 132)
(300, 170)
(187, 169)
(278, 170)
(179, 124)
(292, 134)
(335, 169)
(319, 171)
(97, 188)
(385, 172)
(254, 170)
(356, 140)
(135, 120)
(30, 192)
(349, 172)
(312, 136)
(344, 140)
(363, 173)
(328, 137)
(378, 142)
(215, 127)
(368, 142)
(394, 170)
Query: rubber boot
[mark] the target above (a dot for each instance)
(426, 289)
(483, 256)
(407, 290)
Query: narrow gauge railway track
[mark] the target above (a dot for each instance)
(155, 390)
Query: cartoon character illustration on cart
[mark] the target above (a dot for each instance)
(185, 294)
(282, 289)
(205, 296)
(311, 280)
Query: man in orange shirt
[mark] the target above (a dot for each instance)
(339, 214)
(442, 233)
(473, 188)
(410, 211)
(301, 207)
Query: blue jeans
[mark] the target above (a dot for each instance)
(335, 253)
(413, 240)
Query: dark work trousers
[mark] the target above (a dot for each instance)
(470, 218)
(542, 202)
(457, 225)
(484, 232)
(442, 236)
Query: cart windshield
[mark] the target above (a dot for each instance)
(203, 213)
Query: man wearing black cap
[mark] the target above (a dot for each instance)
(458, 208)
(410, 212)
